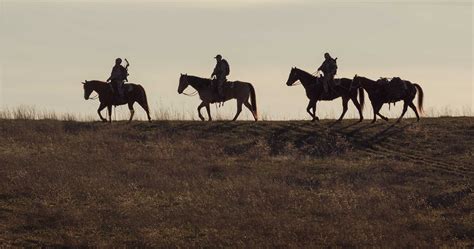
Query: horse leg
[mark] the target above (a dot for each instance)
(132, 111)
(109, 109)
(147, 110)
(376, 108)
(405, 107)
(382, 116)
(101, 107)
(314, 110)
(208, 109)
(413, 107)
(249, 106)
(239, 109)
(359, 108)
(199, 110)
(308, 109)
(344, 108)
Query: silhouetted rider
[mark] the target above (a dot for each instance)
(221, 70)
(118, 76)
(329, 69)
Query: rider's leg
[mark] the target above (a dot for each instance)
(220, 86)
(325, 83)
(120, 88)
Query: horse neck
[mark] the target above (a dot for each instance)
(99, 87)
(306, 78)
(196, 82)
(367, 84)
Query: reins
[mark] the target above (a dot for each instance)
(296, 84)
(95, 97)
(191, 94)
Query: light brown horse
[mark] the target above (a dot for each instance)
(133, 93)
(241, 91)
(391, 92)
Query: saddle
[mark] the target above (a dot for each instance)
(225, 87)
(122, 95)
(394, 89)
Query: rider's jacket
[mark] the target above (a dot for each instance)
(329, 66)
(119, 73)
(221, 69)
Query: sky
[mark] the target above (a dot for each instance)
(47, 48)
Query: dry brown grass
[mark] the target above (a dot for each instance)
(243, 184)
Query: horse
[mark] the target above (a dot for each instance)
(133, 93)
(315, 92)
(391, 92)
(241, 91)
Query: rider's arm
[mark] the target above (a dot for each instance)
(321, 67)
(111, 74)
(214, 72)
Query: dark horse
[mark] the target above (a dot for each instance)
(391, 92)
(241, 91)
(134, 93)
(315, 92)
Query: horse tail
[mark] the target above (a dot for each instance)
(253, 101)
(420, 97)
(361, 98)
(143, 101)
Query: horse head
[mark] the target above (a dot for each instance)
(87, 89)
(183, 83)
(292, 78)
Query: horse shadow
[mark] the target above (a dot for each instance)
(386, 133)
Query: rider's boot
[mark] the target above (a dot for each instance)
(325, 86)
(220, 90)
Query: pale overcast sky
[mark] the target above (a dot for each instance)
(49, 47)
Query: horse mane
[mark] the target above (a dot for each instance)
(200, 80)
(303, 71)
(96, 81)
(367, 79)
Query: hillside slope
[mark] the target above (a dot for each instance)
(239, 184)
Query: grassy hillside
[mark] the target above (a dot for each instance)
(242, 184)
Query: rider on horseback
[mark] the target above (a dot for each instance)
(118, 77)
(329, 69)
(221, 70)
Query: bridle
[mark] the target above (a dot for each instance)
(189, 94)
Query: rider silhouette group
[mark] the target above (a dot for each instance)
(219, 75)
